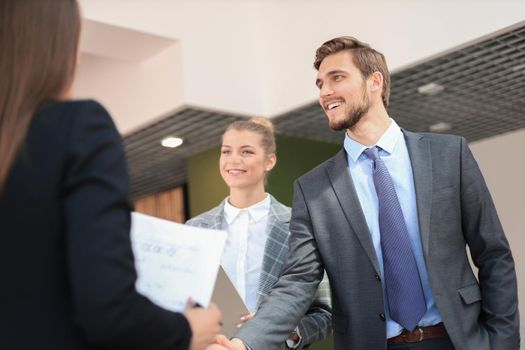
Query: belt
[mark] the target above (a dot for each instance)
(419, 334)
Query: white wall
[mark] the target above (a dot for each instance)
(220, 46)
(135, 93)
(502, 162)
(254, 57)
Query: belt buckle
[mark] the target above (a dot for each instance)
(408, 337)
(420, 333)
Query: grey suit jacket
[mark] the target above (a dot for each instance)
(328, 230)
(316, 324)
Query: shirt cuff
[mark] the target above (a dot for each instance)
(293, 344)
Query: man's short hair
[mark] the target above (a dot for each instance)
(365, 58)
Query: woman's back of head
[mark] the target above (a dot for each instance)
(39, 41)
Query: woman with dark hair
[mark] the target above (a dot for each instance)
(68, 276)
(258, 227)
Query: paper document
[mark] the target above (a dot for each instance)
(175, 261)
(229, 302)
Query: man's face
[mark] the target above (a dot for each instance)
(343, 92)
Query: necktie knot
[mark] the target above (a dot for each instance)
(372, 153)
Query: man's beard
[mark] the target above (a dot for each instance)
(353, 116)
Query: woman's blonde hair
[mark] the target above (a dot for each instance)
(261, 126)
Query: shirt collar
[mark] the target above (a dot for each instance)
(256, 212)
(387, 142)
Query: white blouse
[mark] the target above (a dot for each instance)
(244, 249)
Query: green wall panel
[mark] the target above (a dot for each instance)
(296, 156)
(205, 186)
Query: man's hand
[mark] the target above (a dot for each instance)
(234, 344)
(205, 325)
(244, 319)
(216, 347)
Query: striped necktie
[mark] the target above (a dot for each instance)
(404, 293)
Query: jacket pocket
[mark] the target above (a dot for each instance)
(470, 294)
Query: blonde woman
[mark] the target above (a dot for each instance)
(257, 226)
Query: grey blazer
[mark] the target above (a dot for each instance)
(329, 230)
(315, 322)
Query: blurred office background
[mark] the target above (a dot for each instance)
(187, 68)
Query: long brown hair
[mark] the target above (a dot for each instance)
(39, 42)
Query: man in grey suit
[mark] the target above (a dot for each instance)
(389, 218)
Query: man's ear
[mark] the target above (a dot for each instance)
(375, 81)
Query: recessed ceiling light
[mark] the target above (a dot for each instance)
(440, 127)
(430, 89)
(171, 142)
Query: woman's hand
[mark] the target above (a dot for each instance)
(225, 343)
(205, 325)
(244, 319)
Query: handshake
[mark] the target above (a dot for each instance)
(205, 324)
(223, 343)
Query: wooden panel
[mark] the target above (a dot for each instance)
(146, 205)
(167, 205)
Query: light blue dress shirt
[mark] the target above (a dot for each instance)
(394, 153)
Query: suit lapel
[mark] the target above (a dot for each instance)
(214, 218)
(276, 248)
(343, 186)
(419, 151)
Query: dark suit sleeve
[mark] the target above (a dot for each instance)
(96, 216)
(292, 295)
(491, 254)
(316, 325)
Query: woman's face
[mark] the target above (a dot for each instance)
(243, 161)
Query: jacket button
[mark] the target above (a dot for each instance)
(377, 277)
(382, 316)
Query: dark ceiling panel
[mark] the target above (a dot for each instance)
(154, 168)
(483, 96)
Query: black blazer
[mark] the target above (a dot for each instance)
(66, 265)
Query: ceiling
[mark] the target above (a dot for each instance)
(147, 59)
(482, 94)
